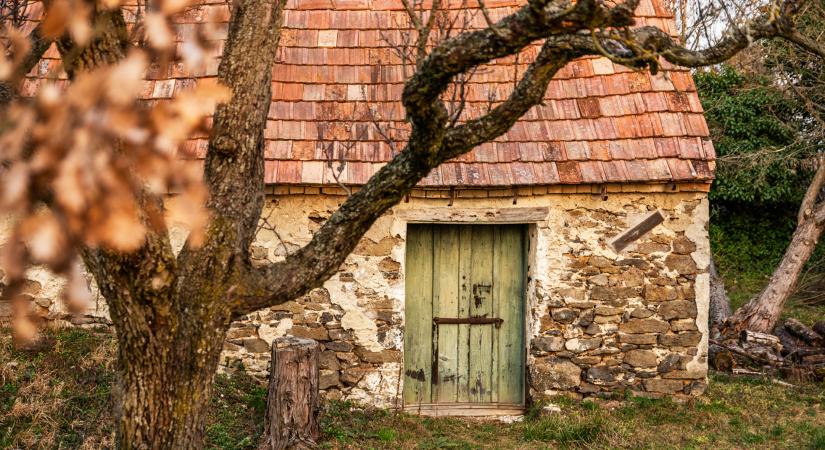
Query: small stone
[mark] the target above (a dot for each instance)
(663, 386)
(654, 293)
(328, 360)
(318, 333)
(681, 264)
(599, 280)
(255, 345)
(633, 277)
(582, 345)
(587, 361)
(640, 358)
(602, 293)
(679, 309)
(607, 319)
(338, 346)
(608, 311)
(644, 326)
(572, 294)
(638, 339)
(683, 339)
(340, 334)
(31, 287)
(564, 315)
(641, 313)
(600, 261)
(352, 376)
(548, 343)
(586, 318)
(384, 356)
(670, 363)
(389, 265)
(637, 263)
(554, 374)
(683, 246)
(652, 247)
(292, 307)
(348, 359)
(581, 305)
(601, 375)
(328, 379)
(683, 325)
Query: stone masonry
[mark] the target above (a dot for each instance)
(598, 322)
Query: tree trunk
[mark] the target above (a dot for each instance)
(165, 384)
(719, 301)
(762, 313)
(292, 404)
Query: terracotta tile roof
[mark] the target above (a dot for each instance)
(339, 73)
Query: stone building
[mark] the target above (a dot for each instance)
(508, 275)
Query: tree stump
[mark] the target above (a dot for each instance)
(292, 404)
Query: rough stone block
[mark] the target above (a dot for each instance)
(256, 345)
(683, 339)
(384, 356)
(679, 309)
(640, 358)
(576, 345)
(548, 343)
(663, 386)
(318, 333)
(683, 325)
(655, 293)
(554, 374)
(638, 339)
(681, 264)
(328, 379)
(564, 315)
(644, 326)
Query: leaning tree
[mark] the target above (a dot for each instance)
(85, 167)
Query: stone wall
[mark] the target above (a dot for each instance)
(598, 321)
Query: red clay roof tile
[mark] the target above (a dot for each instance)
(338, 75)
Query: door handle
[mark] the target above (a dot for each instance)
(497, 321)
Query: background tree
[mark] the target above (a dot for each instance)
(763, 108)
(85, 169)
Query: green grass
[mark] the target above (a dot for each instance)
(735, 413)
(60, 397)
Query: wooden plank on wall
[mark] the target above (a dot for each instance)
(632, 234)
(473, 215)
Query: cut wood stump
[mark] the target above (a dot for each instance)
(292, 404)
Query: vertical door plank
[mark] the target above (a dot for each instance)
(465, 259)
(445, 304)
(418, 315)
(510, 273)
(481, 336)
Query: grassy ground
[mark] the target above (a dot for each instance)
(60, 397)
(741, 413)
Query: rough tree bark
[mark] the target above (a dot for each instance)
(172, 312)
(292, 404)
(720, 308)
(762, 312)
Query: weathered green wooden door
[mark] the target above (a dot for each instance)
(464, 336)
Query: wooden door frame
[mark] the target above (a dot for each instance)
(530, 217)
